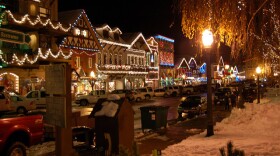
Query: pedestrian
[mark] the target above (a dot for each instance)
(226, 99)
(233, 100)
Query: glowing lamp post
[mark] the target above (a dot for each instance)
(92, 76)
(207, 40)
(183, 77)
(258, 71)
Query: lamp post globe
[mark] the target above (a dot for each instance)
(207, 40)
(258, 71)
(92, 76)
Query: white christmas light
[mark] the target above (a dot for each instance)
(26, 18)
(15, 58)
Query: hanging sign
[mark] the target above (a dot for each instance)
(12, 36)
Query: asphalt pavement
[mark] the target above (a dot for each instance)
(176, 131)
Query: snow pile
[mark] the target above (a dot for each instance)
(255, 130)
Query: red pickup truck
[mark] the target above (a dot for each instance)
(19, 132)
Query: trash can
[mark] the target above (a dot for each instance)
(153, 117)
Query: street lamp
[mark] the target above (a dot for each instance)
(92, 76)
(258, 71)
(207, 40)
(183, 77)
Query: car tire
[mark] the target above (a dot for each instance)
(21, 110)
(17, 148)
(83, 103)
(174, 94)
(138, 99)
(147, 97)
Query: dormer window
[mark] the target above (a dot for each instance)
(44, 12)
(116, 36)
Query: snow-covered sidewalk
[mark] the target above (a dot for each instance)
(255, 130)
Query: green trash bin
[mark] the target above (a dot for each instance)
(153, 117)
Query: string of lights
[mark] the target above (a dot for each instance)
(21, 61)
(26, 18)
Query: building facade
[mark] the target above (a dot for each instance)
(166, 60)
(30, 35)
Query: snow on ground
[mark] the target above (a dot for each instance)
(255, 130)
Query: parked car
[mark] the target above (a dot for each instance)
(39, 96)
(4, 101)
(188, 89)
(192, 105)
(220, 93)
(91, 98)
(161, 92)
(19, 132)
(20, 104)
(219, 98)
(148, 92)
(174, 90)
(137, 96)
(249, 94)
(123, 93)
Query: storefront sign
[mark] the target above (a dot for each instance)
(12, 36)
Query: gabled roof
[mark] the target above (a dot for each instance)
(132, 38)
(111, 32)
(125, 39)
(106, 26)
(182, 62)
(72, 17)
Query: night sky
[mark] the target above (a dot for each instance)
(151, 17)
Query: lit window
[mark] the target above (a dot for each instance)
(44, 12)
(32, 10)
(84, 33)
(77, 31)
(128, 60)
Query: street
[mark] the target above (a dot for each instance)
(171, 102)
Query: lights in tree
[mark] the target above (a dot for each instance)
(26, 18)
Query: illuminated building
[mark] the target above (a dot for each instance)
(29, 38)
(166, 60)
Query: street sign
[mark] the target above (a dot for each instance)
(12, 36)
